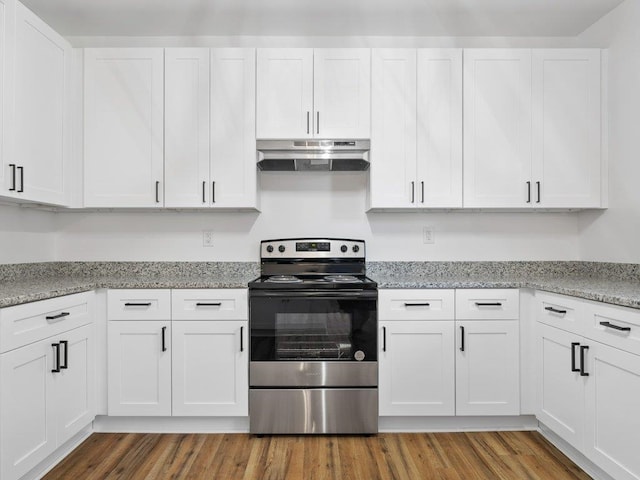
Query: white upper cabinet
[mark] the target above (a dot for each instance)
(233, 127)
(416, 135)
(41, 110)
(186, 127)
(7, 183)
(567, 127)
(497, 127)
(123, 158)
(305, 93)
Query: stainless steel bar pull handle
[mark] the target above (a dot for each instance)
(56, 359)
(308, 114)
(12, 166)
(422, 187)
(157, 192)
(204, 188)
(318, 123)
(413, 192)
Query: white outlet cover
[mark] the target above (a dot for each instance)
(428, 235)
(207, 239)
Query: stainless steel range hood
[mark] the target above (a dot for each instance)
(313, 155)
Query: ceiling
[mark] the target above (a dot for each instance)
(321, 17)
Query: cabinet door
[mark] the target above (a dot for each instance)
(612, 420)
(210, 368)
(342, 92)
(186, 127)
(139, 368)
(393, 129)
(417, 368)
(439, 147)
(233, 127)
(560, 399)
(42, 126)
(567, 127)
(497, 128)
(284, 93)
(488, 367)
(27, 408)
(123, 134)
(74, 385)
(7, 184)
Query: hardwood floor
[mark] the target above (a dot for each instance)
(415, 456)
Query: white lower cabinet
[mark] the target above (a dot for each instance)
(45, 398)
(417, 368)
(139, 375)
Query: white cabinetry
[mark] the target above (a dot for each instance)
(123, 157)
(47, 391)
(7, 26)
(304, 93)
(416, 132)
(587, 388)
(532, 128)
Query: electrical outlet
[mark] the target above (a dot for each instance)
(428, 235)
(207, 239)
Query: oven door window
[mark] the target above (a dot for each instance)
(319, 328)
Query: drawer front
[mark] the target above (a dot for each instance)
(424, 304)
(139, 304)
(31, 322)
(209, 304)
(488, 304)
(618, 327)
(560, 311)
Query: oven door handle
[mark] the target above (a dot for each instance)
(342, 293)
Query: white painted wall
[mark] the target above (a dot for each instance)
(26, 235)
(614, 235)
(314, 204)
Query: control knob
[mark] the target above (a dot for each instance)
(269, 248)
(343, 248)
(355, 249)
(281, 248)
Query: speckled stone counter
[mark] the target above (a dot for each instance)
(617, 284)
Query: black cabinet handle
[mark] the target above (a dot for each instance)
(21, 179)
(204, 187)
(55, 317)
(208, 304)
(137, 304)
(56, 360)
(66, 354)
(615, 327)
(488, 304)
(416, 304)
(528, 192)
(213, 192)
(318, 122)
(241, 339)
(583, 349)
(157, 192)
(555, 310)
(573, 357)
(461, 338)
(413, 192)
(307, 122)
(12, 166)
(384, 339)
(538, 188)
(164, 345)
(422, 187)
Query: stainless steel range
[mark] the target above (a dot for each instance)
(313, 325)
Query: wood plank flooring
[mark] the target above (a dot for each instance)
(411, 456)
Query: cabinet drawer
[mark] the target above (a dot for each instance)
(488, 304)
(416, 304)
(208, 304)
(618, 327)
(139, 304)
(560, 311)
(31, 322)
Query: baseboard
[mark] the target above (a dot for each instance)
(456, 424)
(104, 424)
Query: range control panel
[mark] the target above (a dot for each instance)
(312, 248)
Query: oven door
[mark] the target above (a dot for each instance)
(313, 338)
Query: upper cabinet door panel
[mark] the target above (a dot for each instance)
(186, 127)
(285, 93)
(233, 126)
(497, 127)
(567, 127)
(439, 148)
(393, 129)
(342, 93)
(124, 90)
(6, 179)
(42, 127)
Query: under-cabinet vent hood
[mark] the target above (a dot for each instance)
(313, 155)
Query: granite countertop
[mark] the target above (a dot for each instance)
(617, 284)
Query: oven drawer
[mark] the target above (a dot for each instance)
(487, 304)
(313, 374)
(318, 410)
(209, 304)
(418, 304)
(139, 304)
